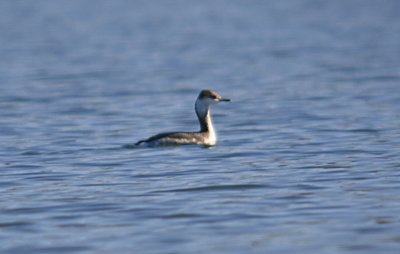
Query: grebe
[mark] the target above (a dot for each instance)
(206, 136)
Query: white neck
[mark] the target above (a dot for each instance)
(212, 135)
(206, 124)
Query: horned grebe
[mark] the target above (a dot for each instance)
(206, 135)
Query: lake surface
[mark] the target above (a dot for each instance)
(308, 159)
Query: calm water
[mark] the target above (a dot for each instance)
(308, 157)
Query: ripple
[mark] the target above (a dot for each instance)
(217, 188)
(15, 224)
(366, 130)
(31, 153)
(180, 216)
(44, 250)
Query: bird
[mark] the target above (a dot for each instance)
(205, 136)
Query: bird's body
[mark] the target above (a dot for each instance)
(206, 136)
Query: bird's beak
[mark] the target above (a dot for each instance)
(224, 99)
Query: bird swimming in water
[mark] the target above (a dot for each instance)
(206, 136)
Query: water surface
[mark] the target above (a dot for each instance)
(308, 152)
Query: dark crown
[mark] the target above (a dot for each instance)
(208, 93)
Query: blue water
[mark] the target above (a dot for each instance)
(308, 154)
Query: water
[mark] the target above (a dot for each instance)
(308, 152)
